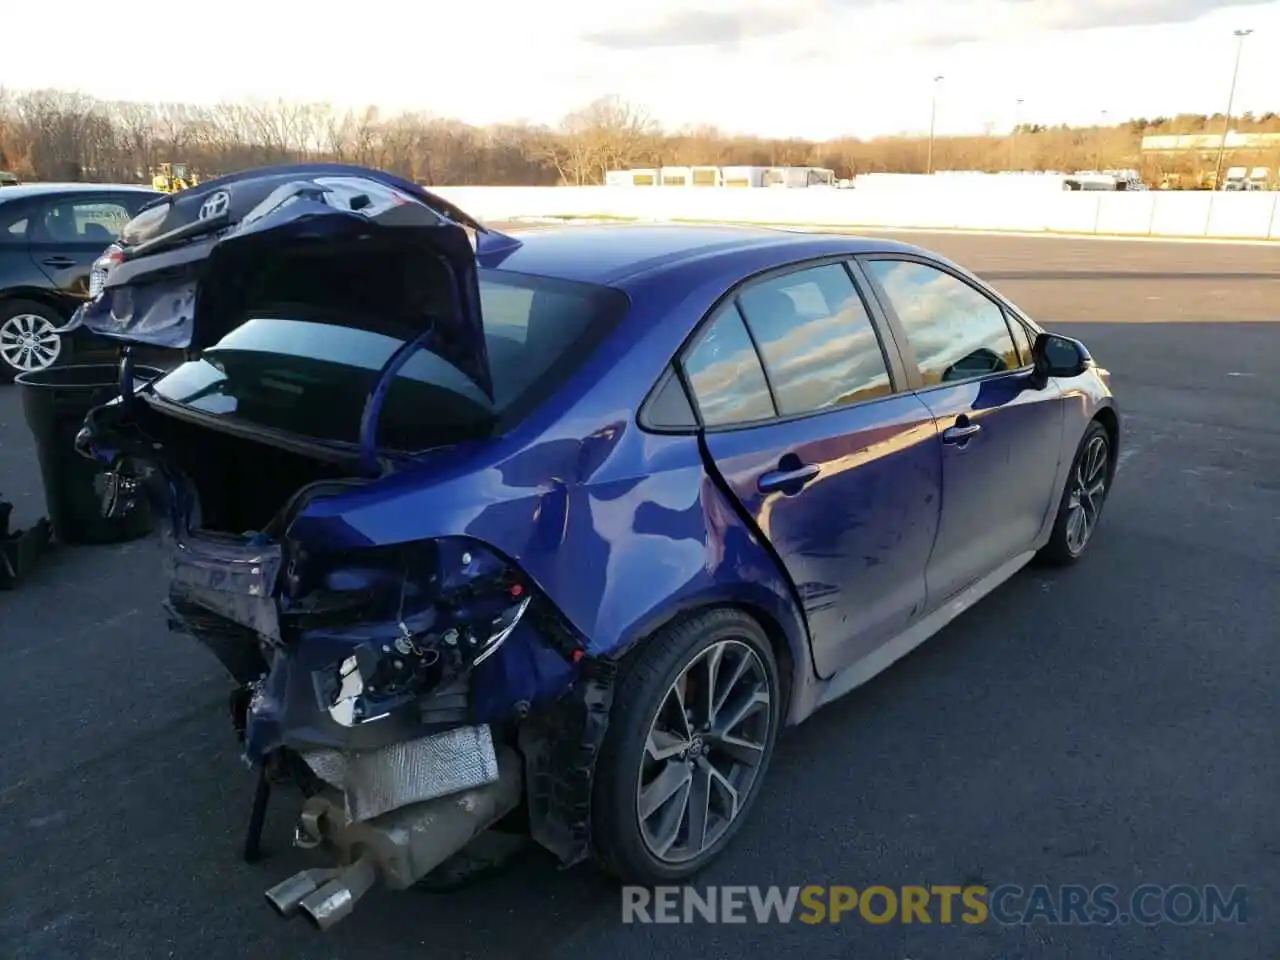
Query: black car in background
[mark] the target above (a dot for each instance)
(50, 235)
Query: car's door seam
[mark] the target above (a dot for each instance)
(713, 473)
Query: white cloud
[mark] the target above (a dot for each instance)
(814, 68)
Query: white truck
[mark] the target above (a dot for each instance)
(792, 177)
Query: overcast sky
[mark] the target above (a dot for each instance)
(814, 68)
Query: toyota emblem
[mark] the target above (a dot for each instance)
(215, 206)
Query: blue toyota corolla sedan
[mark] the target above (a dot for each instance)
(554, 533)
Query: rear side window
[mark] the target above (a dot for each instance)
(724, 371)
(819, 347)
(13, 224)
(668, 408)
(309, 375)
(956, 332)
(81, 221)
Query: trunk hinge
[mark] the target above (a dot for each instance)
(378, 395)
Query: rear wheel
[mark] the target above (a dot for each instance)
(1088, 484)
(694, 723)
(27, 338)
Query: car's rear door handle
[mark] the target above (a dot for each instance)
(790, 480)
(58, 262)
(961, 432)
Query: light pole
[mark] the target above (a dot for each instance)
(1017, 122)
(933, 116)
(1231, 97)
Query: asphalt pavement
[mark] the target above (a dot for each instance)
(1111, 724)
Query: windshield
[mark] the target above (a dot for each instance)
(310, 376)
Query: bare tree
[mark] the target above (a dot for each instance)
(606, 134)
(58, 134)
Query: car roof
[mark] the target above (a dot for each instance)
(45, 189)
(612, 254)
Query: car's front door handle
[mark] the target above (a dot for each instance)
(58, 262)
(788, 480)
(960, 433)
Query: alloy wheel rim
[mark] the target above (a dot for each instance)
(28, 342)
(703, 751)
(1088, 490)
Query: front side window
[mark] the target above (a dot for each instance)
(819, 346)
(955, 331)
(309, 374)
(1022, 337)
(723, 369)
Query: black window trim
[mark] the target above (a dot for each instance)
(890, 352)
(1032, 328)
(914, 376)
(671, 372)
(1011, 320)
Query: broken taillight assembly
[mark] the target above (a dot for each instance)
(414, 617)
(113, 255)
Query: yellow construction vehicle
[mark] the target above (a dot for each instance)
(172, 177)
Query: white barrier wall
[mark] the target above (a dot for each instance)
(1253, 216)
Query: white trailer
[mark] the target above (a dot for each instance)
(705, 177)
(741, 176)
(631, 178)
(675, 176)
(795, 177)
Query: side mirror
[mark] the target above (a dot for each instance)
(1058, 356)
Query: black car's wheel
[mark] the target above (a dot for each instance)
(1086, 491)
(27, 340)
(693, 726)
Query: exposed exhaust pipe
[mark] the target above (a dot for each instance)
(337, 898)
(286, 896)
(399, 847)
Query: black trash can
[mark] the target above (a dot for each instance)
(55, 401)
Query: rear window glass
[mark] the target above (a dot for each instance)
(311, 378)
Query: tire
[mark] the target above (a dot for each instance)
(645, 700)
(1065, 546)
(19, 320)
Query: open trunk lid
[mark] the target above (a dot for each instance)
(188, 268)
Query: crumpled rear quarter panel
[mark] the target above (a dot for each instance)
(621, 530)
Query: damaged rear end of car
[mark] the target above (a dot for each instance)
(414, 686)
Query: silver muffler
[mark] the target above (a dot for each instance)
(399, 847)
